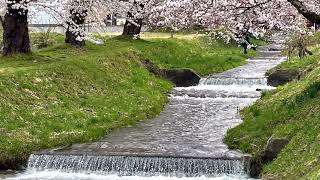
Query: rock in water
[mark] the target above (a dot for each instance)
(274, 147)
(282, 77)
(181, 77)
(272, 150)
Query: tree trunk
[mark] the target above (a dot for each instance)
(72, 38)
(15, 32)
(133, 25)
(74, 34)
(311, 16)
(127, 29)
(172, 34)
(132, 28)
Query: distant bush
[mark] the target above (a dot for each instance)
(298, 44)
(43, 39)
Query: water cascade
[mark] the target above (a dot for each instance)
(225, 81)
(142, 166)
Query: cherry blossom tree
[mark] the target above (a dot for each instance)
(309, 9)
(77, 11)
(257, 16)
(172, 14)
(2, 11)
(135, 16)
(73, 14)
(260, 16)
(177, 14)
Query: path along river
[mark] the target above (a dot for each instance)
(185, 141)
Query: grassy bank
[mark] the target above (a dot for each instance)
(194, 53)
(291, 112)
(297, 64)
(62, 95)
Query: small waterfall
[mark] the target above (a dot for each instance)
(217, 92)
(139, 166)
(226, 81)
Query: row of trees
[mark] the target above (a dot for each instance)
(71, 13)
(258, 16)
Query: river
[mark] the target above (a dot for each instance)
(184, 142)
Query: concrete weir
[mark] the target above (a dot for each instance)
(185, 140)
(140, 165)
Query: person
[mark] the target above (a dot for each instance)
(244, 41)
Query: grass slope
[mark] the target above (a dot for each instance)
(293, 112)
(193, 53)
(63, 95)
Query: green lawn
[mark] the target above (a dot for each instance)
(62, 95)
(293, 112)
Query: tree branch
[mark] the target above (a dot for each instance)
(311, 16)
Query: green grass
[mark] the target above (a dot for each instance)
(194, 53)
(62, 95)
(293, 112)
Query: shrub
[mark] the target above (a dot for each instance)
(298, 44)
(43, 39)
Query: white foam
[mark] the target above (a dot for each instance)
(227, 88)
(56, 175)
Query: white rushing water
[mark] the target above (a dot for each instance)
(142, 166)
(55, 175)
(184, 143)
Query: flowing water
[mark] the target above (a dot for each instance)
(184, 142)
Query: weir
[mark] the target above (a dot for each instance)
(139, 165)
(185, 140)
(218, 92)
(234, 81)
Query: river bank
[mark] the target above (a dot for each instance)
(288, 114)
